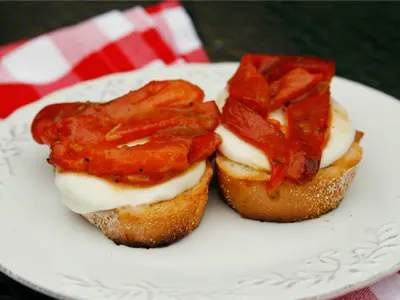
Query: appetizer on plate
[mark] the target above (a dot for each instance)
(137, 166)
(289, 151)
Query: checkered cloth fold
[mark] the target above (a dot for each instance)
(116, 41)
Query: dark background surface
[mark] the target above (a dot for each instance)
(362, 37)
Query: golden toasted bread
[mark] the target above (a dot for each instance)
(244, 189)
(158, 224)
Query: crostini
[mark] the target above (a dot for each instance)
(289, 151)
(136, 167)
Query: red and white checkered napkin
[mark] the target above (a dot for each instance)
(386, 289)
(158, 35)
(161, 34)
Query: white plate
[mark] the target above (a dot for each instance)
(50, 249)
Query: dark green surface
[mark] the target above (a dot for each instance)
(362, 37)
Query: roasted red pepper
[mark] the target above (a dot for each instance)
(264, 83)
(154, 157)
(291, 86)
(90, 137)
(258, 131)
(250, 87)
(273, 67)
(308, 124)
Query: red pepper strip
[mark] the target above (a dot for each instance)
(139, 95)
(250, 87)
(311, 64)
(308, 124)
(146, 127)
(205, 116)
(179, 131)
(173, 93)
(203, 146)
(159, 156)
(91, 130)
(87, 130)
(278, 175)
(255, 129)
(273, 67)
(317, 65)
(204, 143)
(259, 132)
(291, 86)
(262, 63)
(53, 113)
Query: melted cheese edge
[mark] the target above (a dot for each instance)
(83, 193)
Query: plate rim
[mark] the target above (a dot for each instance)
(48, 292)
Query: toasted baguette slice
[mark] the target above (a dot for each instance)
(244, 189)
(158, 224)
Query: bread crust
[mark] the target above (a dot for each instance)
(244, 190)
(158, 224)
